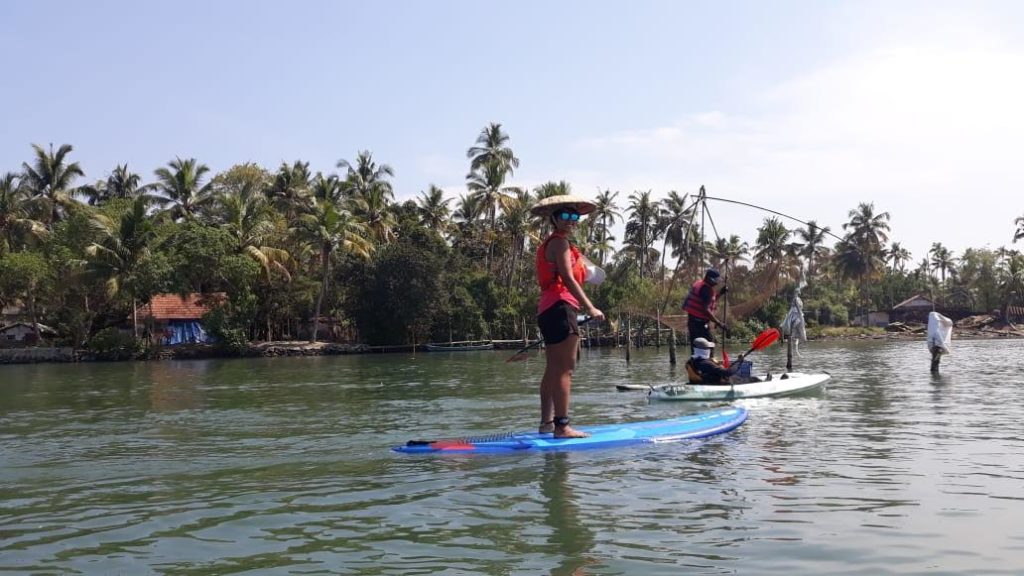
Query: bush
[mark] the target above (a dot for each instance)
(113, 344)
(230, 338)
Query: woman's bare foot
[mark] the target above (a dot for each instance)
(569, 432)
(546, 427)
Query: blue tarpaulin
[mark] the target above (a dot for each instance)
(185, 332)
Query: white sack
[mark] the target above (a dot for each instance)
(940, 332)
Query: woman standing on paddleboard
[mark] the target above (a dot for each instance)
(560, 273)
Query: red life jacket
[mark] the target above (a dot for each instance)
(552, 287)
(693, 303)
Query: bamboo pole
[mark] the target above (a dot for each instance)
(629, 329)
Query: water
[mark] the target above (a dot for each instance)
(281, 466)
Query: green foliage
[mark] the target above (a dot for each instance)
(222, 323)
(198, 255)
(399, 295)
(21, 274)
(113, 344)
(773, 312)
(437, 267)
(461, 318)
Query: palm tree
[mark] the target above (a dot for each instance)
(730, 251)
(868, 230)
(244, 211)
(120, 250)
(468, 210)
(772, 249)
(366, 177)
(330, 228)
(372, 208)
(433, 209)
(1011, 278)
(515, 225)
(122, 183)
(942, 259)
(899, 256)
(492, 149)
(549, 189)
(674, 223)
(812, 244)
(16, 223)
(487, 185)
(923, 269)
(290, 190)
(466, 217)
(328, 188)
(862, 254)
(641, 227)
(606, 214)
(48, 181)
(1019, 233)
(181, 184)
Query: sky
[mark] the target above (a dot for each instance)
(806, 108)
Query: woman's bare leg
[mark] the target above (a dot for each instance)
(556, 384)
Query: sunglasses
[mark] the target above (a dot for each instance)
(568, 216)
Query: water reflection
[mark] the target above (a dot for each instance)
(569, 533)
(940, 380)
(173, 387)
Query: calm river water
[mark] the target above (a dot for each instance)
(282, 466)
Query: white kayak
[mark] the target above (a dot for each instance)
(778, 385)
(629, 387)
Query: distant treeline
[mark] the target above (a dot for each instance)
(303, 254)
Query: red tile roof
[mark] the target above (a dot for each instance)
(174, 307)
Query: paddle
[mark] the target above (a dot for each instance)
(521, 354)
(763, 340)
(725, 316)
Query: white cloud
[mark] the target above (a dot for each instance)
(930, 133)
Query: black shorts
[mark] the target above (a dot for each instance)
(558, 322)
(699, 328)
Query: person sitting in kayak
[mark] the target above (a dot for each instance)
(702, 369)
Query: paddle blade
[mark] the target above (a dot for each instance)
(764, 339)
(725, 358)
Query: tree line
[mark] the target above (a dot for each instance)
(315, 255)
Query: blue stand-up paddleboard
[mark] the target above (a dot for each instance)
(605, 436)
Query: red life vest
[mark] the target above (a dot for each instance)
(693, 305)
(552, 287)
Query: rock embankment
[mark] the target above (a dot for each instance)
(304, 349)
(260, 349)
(34, 355)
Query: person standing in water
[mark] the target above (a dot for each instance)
(560, 274)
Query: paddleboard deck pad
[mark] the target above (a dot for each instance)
(604, 436)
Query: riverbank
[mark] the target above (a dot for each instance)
(981, 327)
(183, 352)
(975, 328)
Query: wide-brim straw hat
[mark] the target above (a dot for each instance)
(552, 203)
